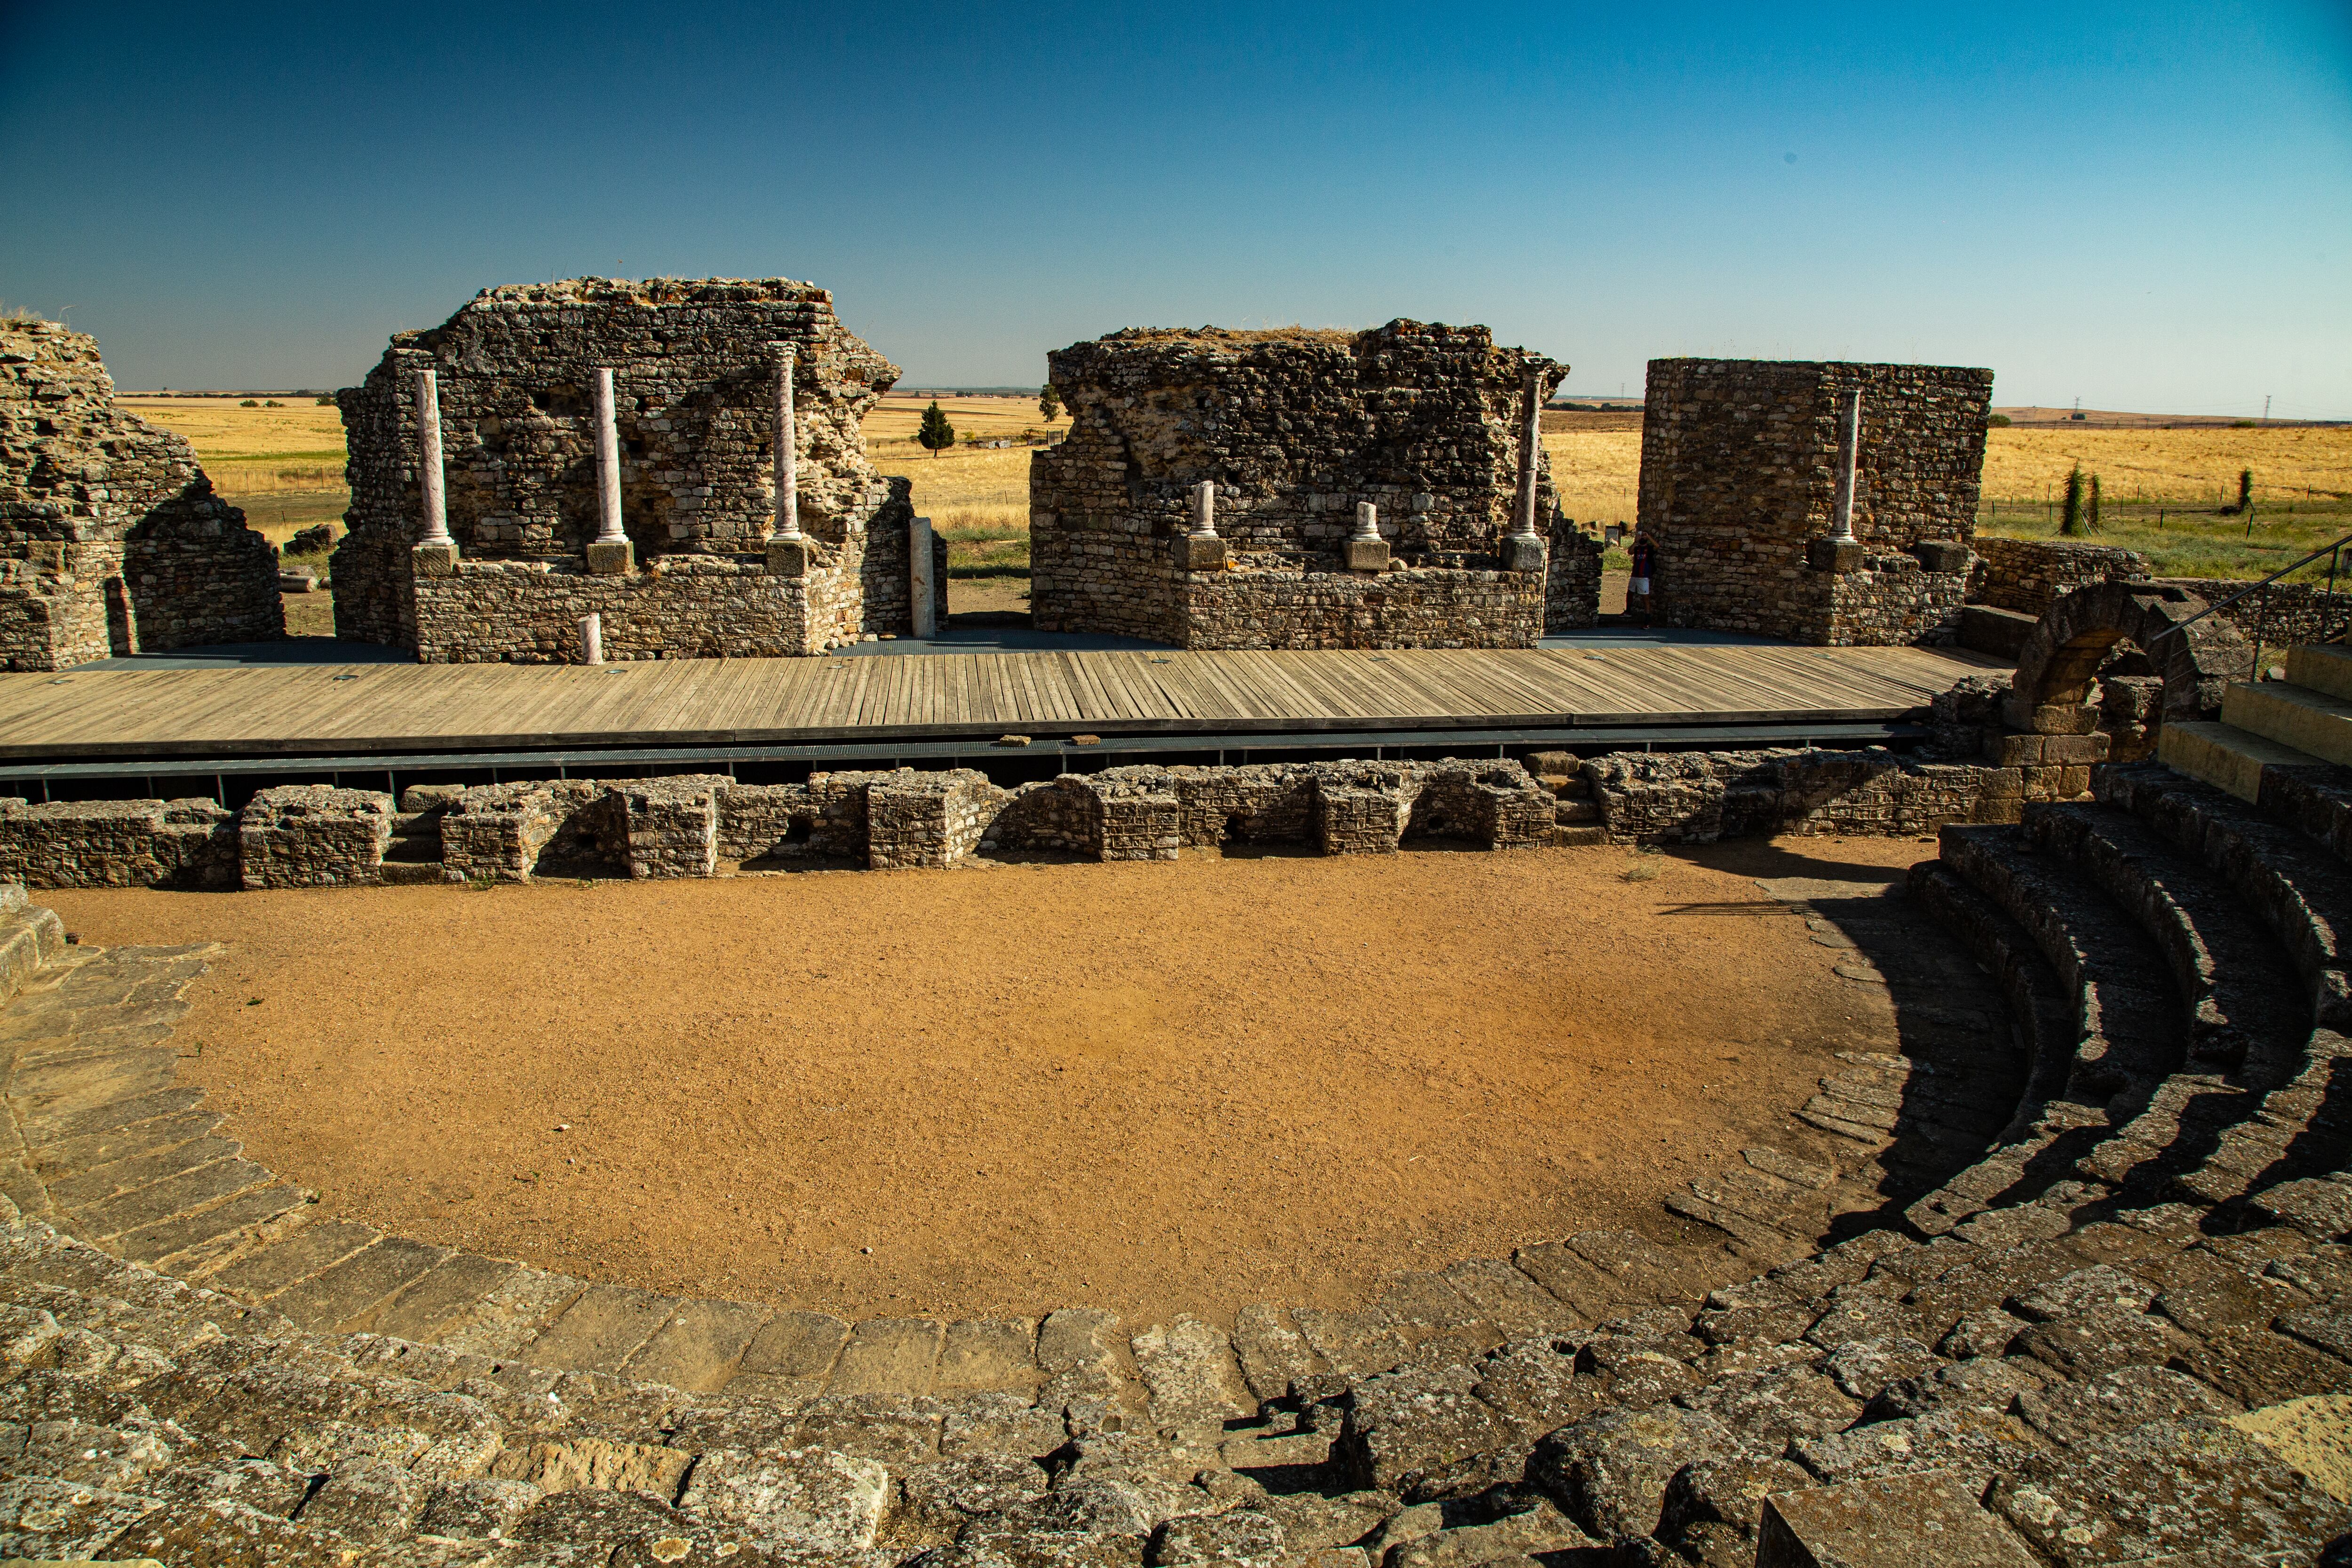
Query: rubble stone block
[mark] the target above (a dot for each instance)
(314, 835)
(1930, 1520)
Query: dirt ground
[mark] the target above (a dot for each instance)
(1153, 1088)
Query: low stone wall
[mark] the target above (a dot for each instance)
(1405, 606)
(1572, 578)
(1699, 797)
(681, 605)
(118, 844)
(2028, 575)
(314, 835)
(2297, 612)
(1892, 600)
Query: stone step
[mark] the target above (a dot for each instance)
(2226, 756)
(1572, 837)
(2325, 667)
(413, 873)
(2289, 715)
(1571, 811)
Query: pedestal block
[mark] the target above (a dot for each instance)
(1834, 554)
(1522, 553)
(789, 557)
(436, 558)
(610, 560)
(1197, 554)
(1368, 555)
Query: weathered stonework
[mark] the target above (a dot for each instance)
(2028, 575)
(111, 540)
(1295, 428)
(1699, 797)
(1572, 579)
(314, 835)
(118, 844)
(1739, 470)
(694, 365)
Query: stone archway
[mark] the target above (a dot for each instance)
(2050, 692)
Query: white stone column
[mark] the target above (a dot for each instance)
(921, 584)
(1849, 460)
(1366, 551)
(788, 456)
(428, 455)
(591, 640)
(608, 463)
(1204, 509)
(1368, 521)
(1530, 451)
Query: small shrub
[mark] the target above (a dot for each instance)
(1640, 871)
(326, 402)
(1049, 402)
(1997, 422)
(273, 403)
(2093, 515)
(249, 402)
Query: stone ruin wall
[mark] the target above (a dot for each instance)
(111, 540)
(693, 372)
(1740, 461)
(710, 825)
(1295, 428)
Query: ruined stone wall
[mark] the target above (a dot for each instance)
(2295, 613)
(1739, 462)
(1888, 599)
(693, 371)
(1295, 428)
(677, 607)
(1699, 797)
(118, 844)
(2028, 575)
(1572, 578)
(1407, 608)
(111, 540)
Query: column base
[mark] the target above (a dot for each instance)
(1367, 554)
(610, 559)
(1522, 553)
(789, 557)
(1834, 554)
(436, 558)
(1194, 554)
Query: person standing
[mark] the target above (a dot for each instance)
(1645, 559)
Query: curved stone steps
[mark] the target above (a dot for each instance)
(2299, 890)
(2246, 1010)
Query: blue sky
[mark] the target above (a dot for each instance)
(2146, 206)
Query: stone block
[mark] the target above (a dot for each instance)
(436, 558)
(1834, 555)
(1988, 628)
(609, 559)
(1945, 555)
(1194, 554)
(1522, 553)
(1930, 1520)
(314, 835)
(1367, 554)
(789, 557)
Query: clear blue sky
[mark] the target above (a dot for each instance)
(2144, 206)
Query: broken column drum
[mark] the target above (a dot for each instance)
(1293, 430)
(734, 415)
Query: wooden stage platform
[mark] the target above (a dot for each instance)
(368, 709)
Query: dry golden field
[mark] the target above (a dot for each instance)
(2162, 486)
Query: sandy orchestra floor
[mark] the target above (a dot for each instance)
(1154, 1088)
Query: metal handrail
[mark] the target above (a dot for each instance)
(2333, 553)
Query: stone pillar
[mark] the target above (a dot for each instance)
(1201, 550)
(591, 640)
(608, 553)
(1524, 550)
(436, 552)
(921, 584)
(1367, 551)
(788, 456)
(1839, 551)
(1849, 458)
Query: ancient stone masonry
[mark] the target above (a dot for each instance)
(1572, 579)
(1741, 474)
(714, 556)
(111, 540)
(118, 844)
(2028, 575)
(1297, 432)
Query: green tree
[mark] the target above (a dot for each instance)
(936, 432)
(1049, 402)
(2071, 520)
(2245, 489)
(2093, 517)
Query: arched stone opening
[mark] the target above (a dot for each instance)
(2051, 694)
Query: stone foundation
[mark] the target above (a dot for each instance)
(314, 835)
(111, 540)
(1295, 429)
(1739, 471)
(118, 844)
(1699, 797)
(2028, 575)
(1572, 579)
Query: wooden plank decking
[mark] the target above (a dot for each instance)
(366, 708)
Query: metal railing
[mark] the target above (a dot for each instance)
(2262, 616)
